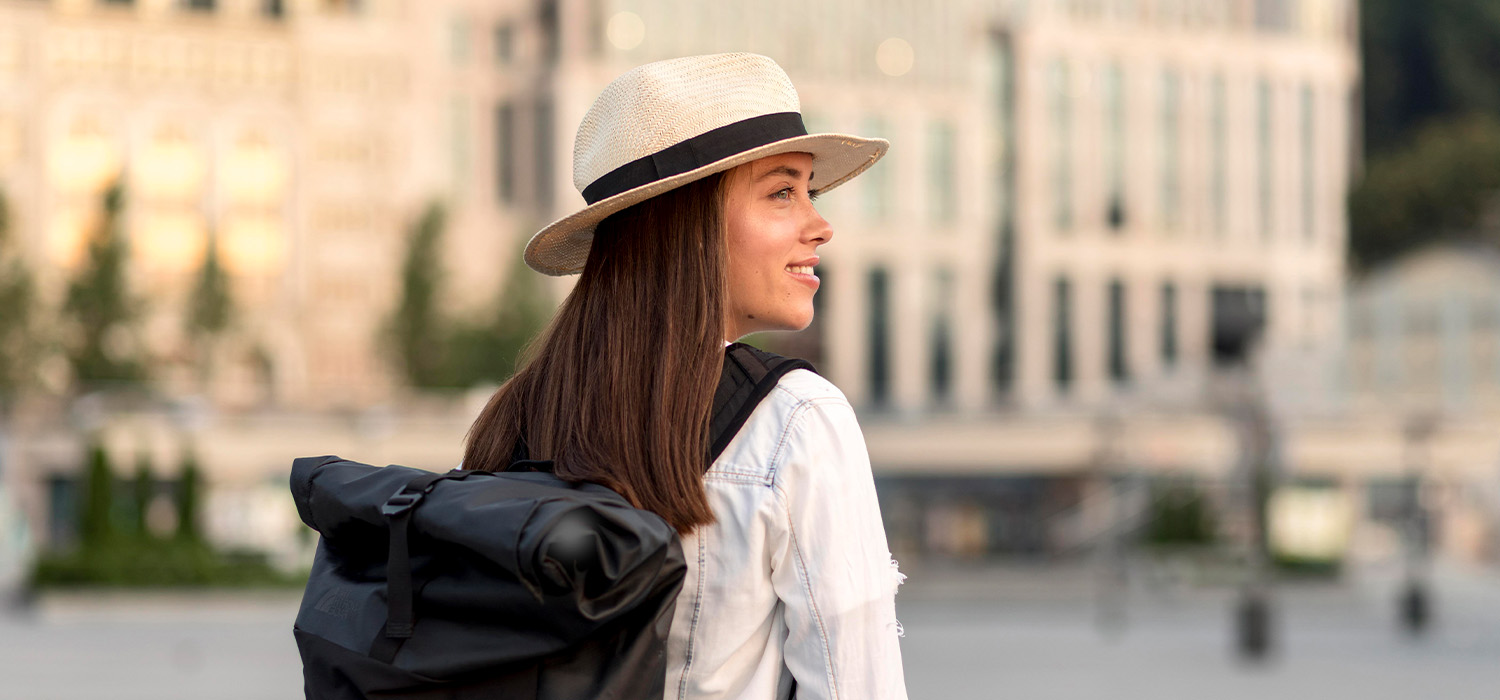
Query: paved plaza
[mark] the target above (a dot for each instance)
(1032, 634)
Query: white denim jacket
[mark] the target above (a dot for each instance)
(794, 585)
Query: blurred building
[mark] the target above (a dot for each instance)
(1424, 335)
(1026, 295)
(303, 137)
(1028, 291)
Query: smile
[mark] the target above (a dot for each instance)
(800, 269)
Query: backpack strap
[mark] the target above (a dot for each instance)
(400, 616)
(749, 376)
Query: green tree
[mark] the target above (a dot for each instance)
(415, 329)
(18, 347)
(97, 518)
(100, 306)
(211, 307)
(189, 493)
(1425, 62)
(1179, 516)
(141, 492)
(1440, 187)
(488, 351)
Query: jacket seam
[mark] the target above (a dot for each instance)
(687, 665)
(830, 674)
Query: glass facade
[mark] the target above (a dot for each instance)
(940, 351)
(1265, 148)
(1219, 155)
(505, 148)
(1062, 334)
(943, 198)
(1061, 109)
(1309, 164)
(878, 341)
(1119, 370)
(1170, 157)
(1169, 325)
(1114, 146)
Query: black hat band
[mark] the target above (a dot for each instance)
(686, 156)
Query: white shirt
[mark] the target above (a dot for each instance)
(795, 581)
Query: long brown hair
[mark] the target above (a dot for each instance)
(617, 389)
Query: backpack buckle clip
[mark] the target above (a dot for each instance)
(401, 502)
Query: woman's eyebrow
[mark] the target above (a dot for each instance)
(786, 170)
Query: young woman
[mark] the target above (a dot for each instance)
(699, 229)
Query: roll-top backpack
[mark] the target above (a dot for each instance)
(512, 584)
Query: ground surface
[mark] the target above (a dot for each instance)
(999, 633)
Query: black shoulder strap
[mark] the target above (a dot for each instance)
(749, 375)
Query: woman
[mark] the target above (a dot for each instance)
(699, 229)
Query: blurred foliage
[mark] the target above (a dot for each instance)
(97, 516)
(488, 351)
(104, 345)
(1424, 62)
(117, 549)
(1431, 124)
(142, 488)
(1179, 515)
(211, 304)
(189, 493)
(436, 352)
(136, 561)
(1440, 187)
(18, 344)
(414, 327)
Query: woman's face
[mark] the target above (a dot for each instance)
(774, 234)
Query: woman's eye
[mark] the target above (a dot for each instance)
(784, 193)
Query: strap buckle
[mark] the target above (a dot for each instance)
(400, 502)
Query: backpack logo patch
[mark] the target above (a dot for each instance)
(336, 602)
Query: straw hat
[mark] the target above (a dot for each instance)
(668, 123)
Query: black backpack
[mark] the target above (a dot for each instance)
(511, 584)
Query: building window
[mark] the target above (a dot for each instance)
(275, 9)
(1170, 159)
(458, 40)
(940, 371)
(1238, 322)
(1062, 334)
(542, 122)
(1114, 146)
(879, 338)
(1273, 15)
(1062, 149)
(943, 198)
(1219, 153)
(505, 149)
(1309, 164)
(1002, 364)
(1169, 325)
(197, 5)
(877, 186)
(505, 38)
(1265, 144)
(550, 26)
(1118, 370)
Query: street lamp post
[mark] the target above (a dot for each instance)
(1414, 604)
(1239, 319)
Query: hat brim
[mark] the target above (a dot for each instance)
(562, 247)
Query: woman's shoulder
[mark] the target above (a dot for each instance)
(801, 397)
(801, 386)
